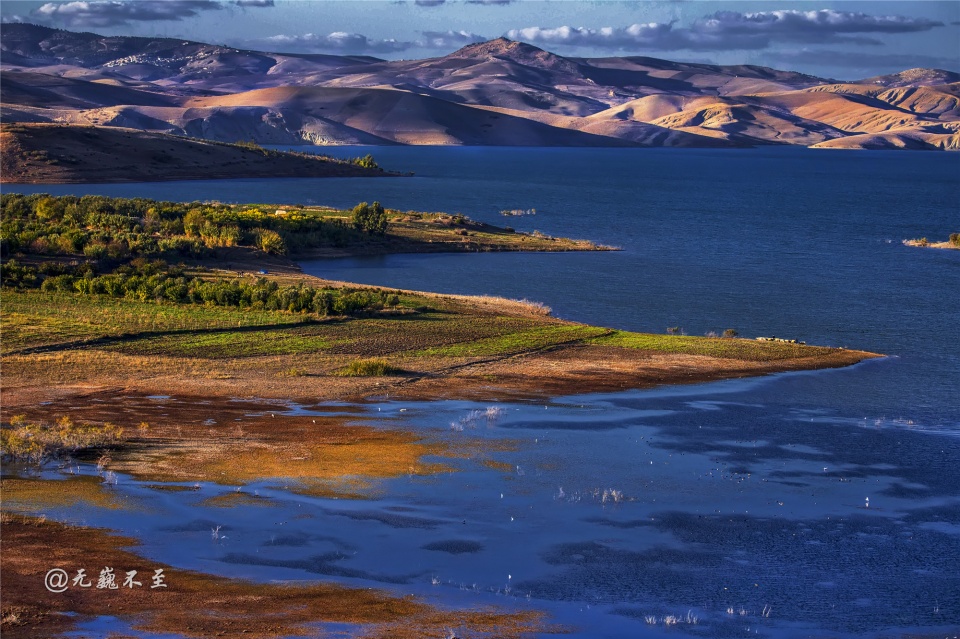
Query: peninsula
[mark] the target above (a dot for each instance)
(75, 154)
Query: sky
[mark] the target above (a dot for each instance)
(843, 40)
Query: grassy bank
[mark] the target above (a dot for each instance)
(60, 338)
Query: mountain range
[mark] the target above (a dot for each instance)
(499, 92)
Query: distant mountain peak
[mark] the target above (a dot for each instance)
(914, 77)
(519, 52)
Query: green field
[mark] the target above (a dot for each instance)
(727, 348)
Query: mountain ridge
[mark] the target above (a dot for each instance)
(498, 92)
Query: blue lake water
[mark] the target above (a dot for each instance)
(735, 495)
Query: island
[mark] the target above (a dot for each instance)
(953, 242)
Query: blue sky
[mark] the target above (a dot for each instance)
(845, 40)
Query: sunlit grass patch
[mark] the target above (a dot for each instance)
(38, 495)
(347, 465)
(729, 348)
(37, 318)
(530, 339)
(281, 340)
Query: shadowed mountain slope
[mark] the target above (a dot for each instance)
(56, 153)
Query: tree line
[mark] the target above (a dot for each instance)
(155, 281)
(105, 228)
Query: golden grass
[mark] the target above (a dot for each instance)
(343, 465)
(39, 495)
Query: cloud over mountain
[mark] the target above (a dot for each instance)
(448, 39)
(357, 43)
(338, 41)
(731, 30)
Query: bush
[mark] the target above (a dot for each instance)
(955, 239)
(368, 368)
(370, 218)
(366, 162)
(37, 441)
(730, 332)
(270, 242)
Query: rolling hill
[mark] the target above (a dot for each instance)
(499, 92)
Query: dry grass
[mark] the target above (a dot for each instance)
(39, 495)
(368, 368)
(33, 441)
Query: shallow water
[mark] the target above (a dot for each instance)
(733, 495)
(614, 508)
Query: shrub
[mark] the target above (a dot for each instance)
(730, 332)
(955, 239)
(368, 368)
(370, 218)
(270, 242)
(37, 441)
(366, 162)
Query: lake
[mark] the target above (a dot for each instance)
(723, 499)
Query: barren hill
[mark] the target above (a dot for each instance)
(491, 93)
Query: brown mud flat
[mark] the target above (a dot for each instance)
(59, 153)
(198, 605)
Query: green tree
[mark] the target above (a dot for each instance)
(366, 162)
(270, 242)
(370, 218)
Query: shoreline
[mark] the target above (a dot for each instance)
(923, 243)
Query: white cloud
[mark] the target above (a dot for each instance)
(729, 30)
(354, 43)
(448, 39)
(112, 13)
(336, 42)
